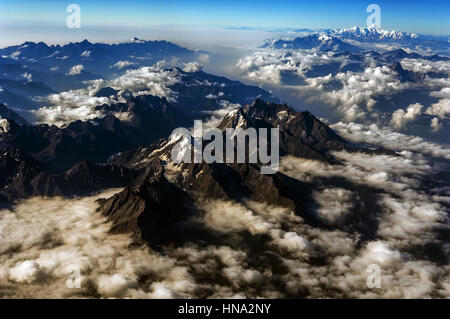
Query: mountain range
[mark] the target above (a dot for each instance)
(373, 34)
(314, 41)
(159, 194)
(164, 195)
(100, 58)
(356, 38)
(88, 137)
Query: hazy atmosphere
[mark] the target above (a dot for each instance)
(110, 190)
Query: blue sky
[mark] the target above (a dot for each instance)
(428, 17)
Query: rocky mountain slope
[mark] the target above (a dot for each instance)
(149, 211)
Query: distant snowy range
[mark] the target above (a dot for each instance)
(88, 187)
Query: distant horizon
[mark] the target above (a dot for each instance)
(146, 33)
(22, 20)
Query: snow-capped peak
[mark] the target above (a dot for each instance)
(4, 125)
(136, 40)
(324, 37)
(371, 33)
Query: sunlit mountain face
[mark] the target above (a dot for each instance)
(94, 204)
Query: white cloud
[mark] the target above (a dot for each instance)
(211, 96)
(203, 58)
(59, 115)
(424, 66)
(441, 108)
(334, 203)
(123, 64)
(228, 216)
(15, 55)
(76, 69)
(356, 99)
(86, 54)
(435, 124)
(400, 117)
(387, 138)
(115, 285)
(353, 101)
(27, 76)
(25, 272)
(192, 67)
(295, 259)
(349, 96)
(72, 105)
(407, 219)
(73, 236)
(153, 80)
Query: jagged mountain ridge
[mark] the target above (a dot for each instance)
(301, 134)
(372, 34)
(141, 208)
(58, 149)
(313, 41)
(31, 71)
(21, 176)
(38, 176)
(96, 57)
(160, 196)
(128, 121)
(392, 37)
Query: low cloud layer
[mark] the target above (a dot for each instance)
(72, 105)
(47, 243)
(383, 210)
(408, 217)
(400, 117)
(76, 69)
(387, 138)
(363, 91)
(123, 64)
(260, 249)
